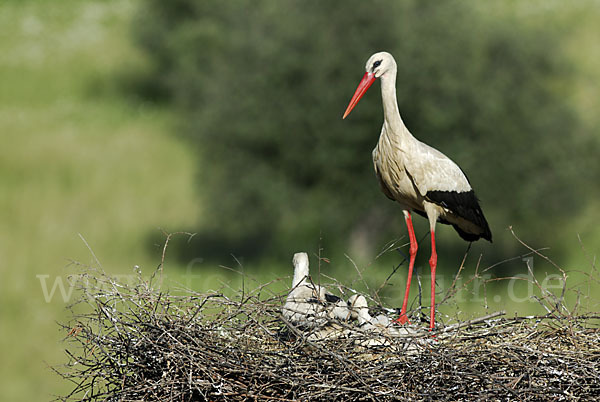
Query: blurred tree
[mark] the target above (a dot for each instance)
(262, 86)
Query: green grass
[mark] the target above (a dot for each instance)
(79, 156)
(76, 158)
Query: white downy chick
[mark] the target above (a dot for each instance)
(308, 304)
(380, 323)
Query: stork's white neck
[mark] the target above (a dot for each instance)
(394, 124)
(300, 262)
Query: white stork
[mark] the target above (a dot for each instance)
(380, 324)
(308, 304)
(359, 304)
(420, 178)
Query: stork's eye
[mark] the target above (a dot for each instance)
(376, 64)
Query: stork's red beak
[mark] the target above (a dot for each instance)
(367, 80)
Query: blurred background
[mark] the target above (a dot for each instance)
(123, 120)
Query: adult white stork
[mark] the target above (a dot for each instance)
(420, 178)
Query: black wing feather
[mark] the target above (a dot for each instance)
(466, 205)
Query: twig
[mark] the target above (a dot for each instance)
(90, 249)
(473, 321)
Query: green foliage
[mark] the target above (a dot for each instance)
(262, 86)
(74, 158)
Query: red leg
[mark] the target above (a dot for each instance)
(403, 319)
(433, 265)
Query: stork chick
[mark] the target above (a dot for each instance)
(308, 304)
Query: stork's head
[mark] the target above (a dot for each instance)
(300, 262)
(377, 66)
(380, 63)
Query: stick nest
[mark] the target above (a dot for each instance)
(132, 341)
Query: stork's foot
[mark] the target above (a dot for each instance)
(403, 319)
